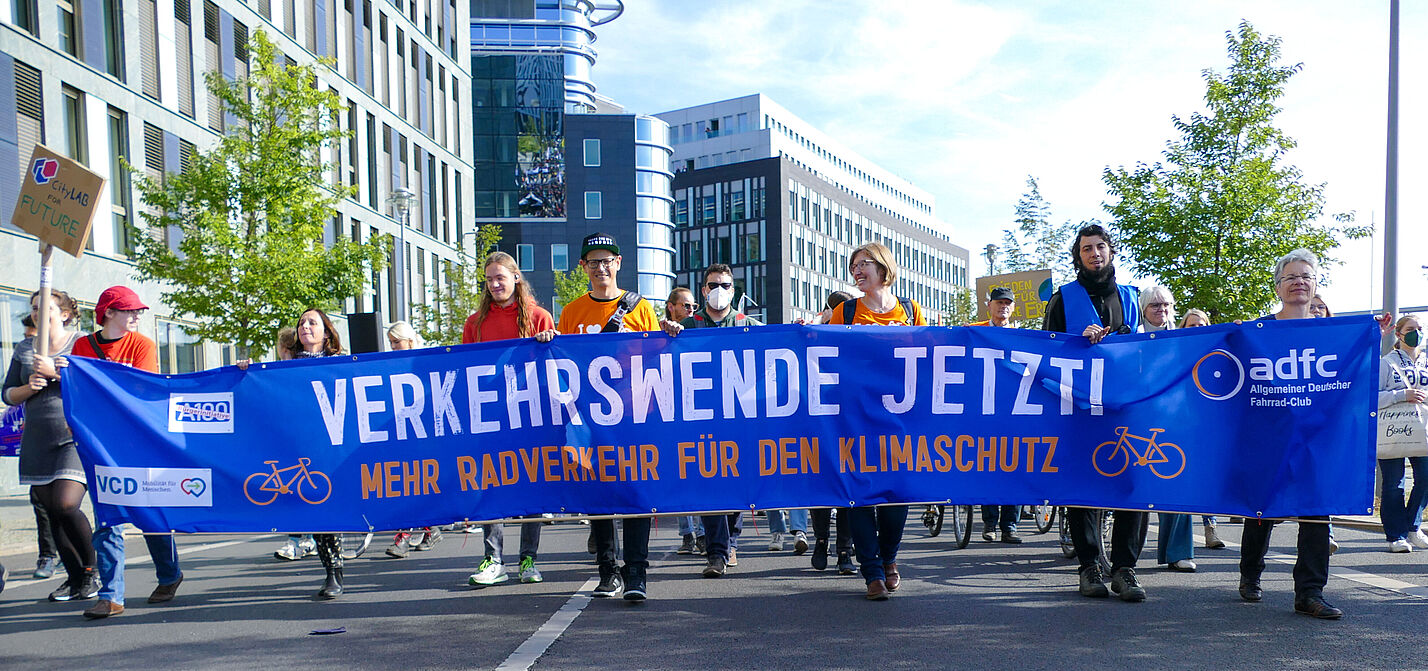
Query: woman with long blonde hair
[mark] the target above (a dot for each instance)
(507, 310)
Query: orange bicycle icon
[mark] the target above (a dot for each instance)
(1165, 460)
(311, 486)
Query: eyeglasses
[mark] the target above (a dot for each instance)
(1158, 305)
(600, 263)
(691, 306)
(718, 285)
(865, 263)
(132, 313)
(1308, 278)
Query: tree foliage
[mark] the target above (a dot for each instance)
(441, 322)
(250, 211)
(1036, 243)
(570, 285)
(1212, 218)
(962, 308)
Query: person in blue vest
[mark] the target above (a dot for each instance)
(1096, 306)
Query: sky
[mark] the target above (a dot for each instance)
(968, 99)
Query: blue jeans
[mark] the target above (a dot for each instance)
(689, 525)
(721, 532)
(1006, 515)
(1176, 540)
(109, 551)
(797, 521)
(1400, 519)
(877, 535)
(494, 538)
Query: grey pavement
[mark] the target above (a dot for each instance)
(991, 606)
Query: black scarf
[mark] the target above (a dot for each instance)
(1098, 282)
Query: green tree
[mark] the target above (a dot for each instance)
(251, 211)
(1211, 219)
(1036, 243)
(570, 285)
(441, 322)
(962, 309)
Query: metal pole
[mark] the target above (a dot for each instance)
(402, 272)
(1390, 191)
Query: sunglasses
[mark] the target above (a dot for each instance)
(718, 285)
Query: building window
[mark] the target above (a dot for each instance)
(27, 16)
(119, 182)
(592, 153)
(592, 205)
(560, 257)
(75, 144)
(68, 40)
(681, 212)
(114, 38)
(525, 257)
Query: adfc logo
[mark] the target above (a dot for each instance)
(1218, 375)
(45, 170)
(1113, 457)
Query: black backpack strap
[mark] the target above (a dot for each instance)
(98, 353)
(907, 310)
(627, 302)
(849, 308)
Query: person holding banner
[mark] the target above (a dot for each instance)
(722, 531)
(823, 517)
(400, 338)
(1001, 302)
(1095, 305)
(608, 309)
(49, 554)
(1175, 544)
(1295, 277)
(297, 546)
(877, 531)
(1195, 318)
(118, 339)
(317, 337)
(506, 310)
(1403, 375)
(49, 460)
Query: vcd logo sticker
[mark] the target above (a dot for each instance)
(1218, 375)
(201, 413)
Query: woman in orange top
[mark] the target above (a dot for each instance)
(877, 531)
(507, 310)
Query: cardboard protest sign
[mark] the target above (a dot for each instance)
(1032, 288)
(57, 201)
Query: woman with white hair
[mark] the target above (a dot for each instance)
(1175, 544)
(1296, 276)
(400, 337)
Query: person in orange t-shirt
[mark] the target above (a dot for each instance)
(877, 531)
(507, 310)
(117, 313)
(608, 309)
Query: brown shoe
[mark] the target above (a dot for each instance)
(892, 578)
(104, 608)
(164, 593)
(877, 591)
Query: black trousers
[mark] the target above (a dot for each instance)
(823, 518)
(1127, 536)
(1311, 569)
(42, 526)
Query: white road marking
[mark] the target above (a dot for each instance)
(532, 648)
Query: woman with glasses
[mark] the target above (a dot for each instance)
(877, 531)
(1403, 377)
(1175, 544)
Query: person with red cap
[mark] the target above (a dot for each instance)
(118, 339)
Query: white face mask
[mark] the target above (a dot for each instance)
(719, 299)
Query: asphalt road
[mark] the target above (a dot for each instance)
(989, 606)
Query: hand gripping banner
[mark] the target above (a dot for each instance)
(1264, 419)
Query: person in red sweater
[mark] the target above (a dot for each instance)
(117, 313)
(507, 310)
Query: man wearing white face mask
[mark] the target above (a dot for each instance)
(721, 532)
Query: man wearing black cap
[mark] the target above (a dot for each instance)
(1001, 302)
(608, 309)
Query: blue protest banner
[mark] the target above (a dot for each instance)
(1263, 419)
(12, 427)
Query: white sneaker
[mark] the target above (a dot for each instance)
(1400, 545)
(1418, 539)
(800, 542)
(289, 551)
(1333, 545)
(1186, 565)
(490, 572)
(308, 546)
(776, 542)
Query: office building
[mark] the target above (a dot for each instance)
(555, 160)
(785, 205)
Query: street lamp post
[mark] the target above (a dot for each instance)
(991, 253)
(401, 201)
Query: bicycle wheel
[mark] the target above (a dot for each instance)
(1044, 515)
(932, 519)
(1068, 548)
(962, 525)
(353, 545)
(253, 489)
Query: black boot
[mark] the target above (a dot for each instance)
(329, 550)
